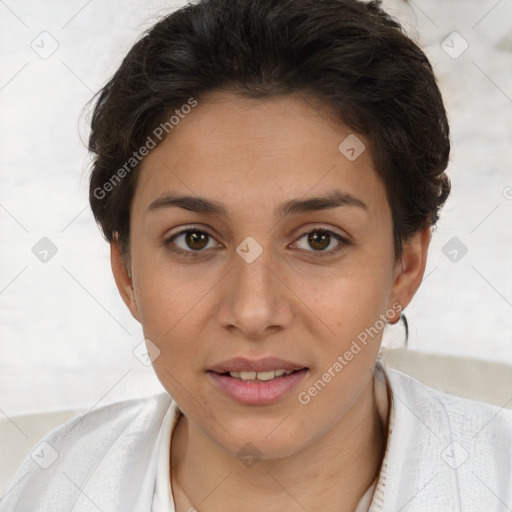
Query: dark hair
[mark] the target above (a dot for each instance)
(349, 54)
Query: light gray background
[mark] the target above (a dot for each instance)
(66, 338)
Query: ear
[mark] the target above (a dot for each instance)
(410, 269)
(123, 278)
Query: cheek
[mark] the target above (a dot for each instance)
(171, 301)
(350, 294)
(169, 317)
(166, 294)
(350, 303)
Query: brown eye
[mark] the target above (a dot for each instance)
(319, 240)
(190, 241)
(196, 240)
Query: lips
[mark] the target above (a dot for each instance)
(257, 381)
(257, 392)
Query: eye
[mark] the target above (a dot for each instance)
(190, 241)
(319, 239)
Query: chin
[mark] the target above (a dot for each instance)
(264, 440)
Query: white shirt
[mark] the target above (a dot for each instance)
(443, 453)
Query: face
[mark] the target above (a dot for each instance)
(261, 269)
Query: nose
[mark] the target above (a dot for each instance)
(255, 297)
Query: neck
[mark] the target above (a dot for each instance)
(332, 474)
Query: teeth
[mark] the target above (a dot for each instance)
(263, 376)
(266, 375)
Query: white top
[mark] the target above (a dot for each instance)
(443, 453)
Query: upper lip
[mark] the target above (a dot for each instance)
(242, 364)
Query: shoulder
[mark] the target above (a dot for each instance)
(100, 425)
(103, 439)
(464, 414)
(453, 448)
(115, 415)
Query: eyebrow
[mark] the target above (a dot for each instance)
(198, 204)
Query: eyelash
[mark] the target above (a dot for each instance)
(194, 254)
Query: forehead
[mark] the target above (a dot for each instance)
(244, 152)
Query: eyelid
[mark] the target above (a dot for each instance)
(190, 227)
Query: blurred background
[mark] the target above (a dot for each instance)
(66, 338)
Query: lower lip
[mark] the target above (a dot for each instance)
(257, 392)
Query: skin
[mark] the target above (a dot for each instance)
(251, 156)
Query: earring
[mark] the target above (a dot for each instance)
(399, 317)
(398, 321)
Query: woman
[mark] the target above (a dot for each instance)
(267, 174)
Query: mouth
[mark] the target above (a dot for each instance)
(257, 388)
